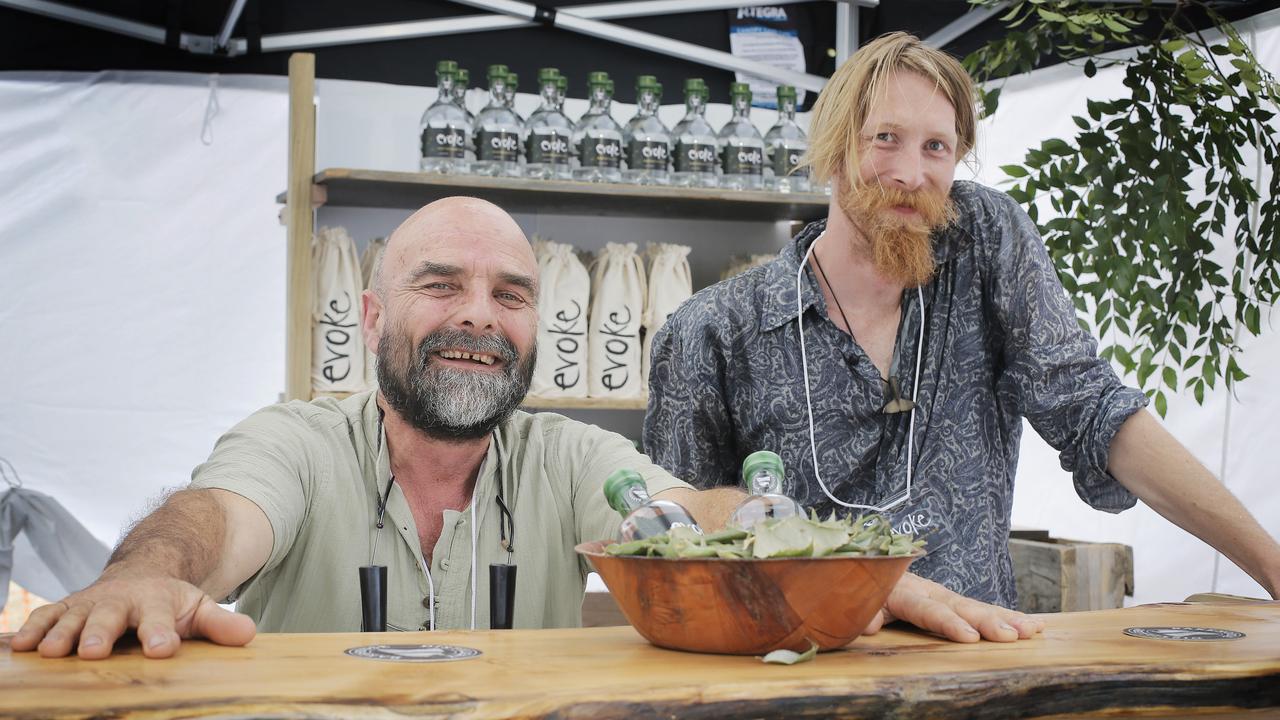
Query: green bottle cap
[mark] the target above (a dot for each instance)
(464, 77)
(546, 75)
(646, 81)
(618, 484)
(761, 460)
(609, 87)
(597, 78)
(446, 66)
(562, 83)
(740, 90)
(786, 92)
(513, 81)
(497, 71)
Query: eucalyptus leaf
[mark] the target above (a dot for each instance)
(791, 657)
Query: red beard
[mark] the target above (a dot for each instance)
(901, 245)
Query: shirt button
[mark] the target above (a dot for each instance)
(426, 602)
(444, 564)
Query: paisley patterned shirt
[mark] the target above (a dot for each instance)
(1001, 343)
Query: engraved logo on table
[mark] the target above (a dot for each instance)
(1185, 634)
(413, 653)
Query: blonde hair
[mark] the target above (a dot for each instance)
(835, 128)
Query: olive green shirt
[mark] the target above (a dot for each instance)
(317, 470)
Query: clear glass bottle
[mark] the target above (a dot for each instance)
(647, 140)
(498, 130)
(695, 139)
(549, 132)
(762, 473)
(461, 84)
(785, 144)
(741, 147)
(445, 129)
(597, 139)
(642, 516)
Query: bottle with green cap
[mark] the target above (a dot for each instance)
(549, 132)
(762, 473)
(498, 130)
(695, 139)
(784, 145)
(646, 138)
(597, 138)
(741, 147)
(642, 516)
(445, 129)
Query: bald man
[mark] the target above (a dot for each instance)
(418, 476)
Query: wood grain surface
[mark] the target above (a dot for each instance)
(1083, 665)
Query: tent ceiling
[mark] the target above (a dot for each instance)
(33, 42)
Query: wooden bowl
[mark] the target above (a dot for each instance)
(748, 607)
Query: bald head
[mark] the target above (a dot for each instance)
(470, 223)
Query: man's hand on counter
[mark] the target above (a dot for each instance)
(932, 607)
(162, 610)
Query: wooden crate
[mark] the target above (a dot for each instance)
(1057, 575)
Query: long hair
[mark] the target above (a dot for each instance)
(835, 127)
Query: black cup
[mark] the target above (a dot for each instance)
(502, 596)
(373, 598)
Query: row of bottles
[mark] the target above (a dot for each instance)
(497, 142)
(644, 516)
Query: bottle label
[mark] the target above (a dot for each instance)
(499, 146)
(786, 160)
(696, 157)
(648, 155)
(548, 147)
(444, 143)
(601, 152)
(743, 160)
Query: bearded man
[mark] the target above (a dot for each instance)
(929, 322)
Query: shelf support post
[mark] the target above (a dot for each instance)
(301, 219)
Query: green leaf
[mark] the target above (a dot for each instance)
(1162, 406)
(1171, 379)
(1015, 171)
(791, 657)
(1051, 16)
(1114, 25)
(1090, 69)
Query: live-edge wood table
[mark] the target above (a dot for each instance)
(1083, 665)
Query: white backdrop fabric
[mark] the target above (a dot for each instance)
(141, 278)
(142, 290)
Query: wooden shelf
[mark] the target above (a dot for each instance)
(532, 402)
(378, 188)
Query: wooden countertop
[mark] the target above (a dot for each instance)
(1083, 665)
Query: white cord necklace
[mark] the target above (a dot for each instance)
(903, 497)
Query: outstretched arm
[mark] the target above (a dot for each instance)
(1153, 465)
(162, 581)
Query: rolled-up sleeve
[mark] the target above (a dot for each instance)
(1052, 374)
(687, 428)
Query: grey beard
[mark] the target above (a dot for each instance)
(451, 403)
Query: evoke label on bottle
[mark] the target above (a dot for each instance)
(499, 146)
(549, 148)
(696, 157)
(648, 155)
(743, 160)
(444, 143)
(601, 152)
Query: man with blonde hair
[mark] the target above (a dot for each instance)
(891, 351)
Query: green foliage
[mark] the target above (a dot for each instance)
(1131, 239)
